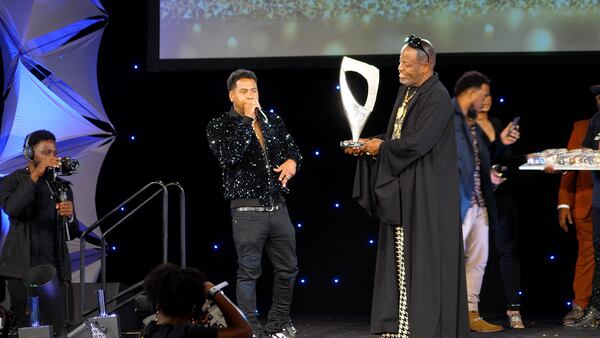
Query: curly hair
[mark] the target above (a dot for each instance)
(240, 74)
(472, 79)
(175, 291)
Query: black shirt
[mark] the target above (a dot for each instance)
(44, 226)
(34, 236)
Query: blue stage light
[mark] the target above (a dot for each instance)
(136, 66)
(520, 293)
(303, 281)
(501, 100)
(568, 303)
(371, 241)
(336, 280)
(122, 209)
(337, 205)
(271, 110)
(299, 225)
(132, 137)
(337, 87)
(552, 257)
(215, 247)
(114, 248)
(317, 153)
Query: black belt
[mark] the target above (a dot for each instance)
(259, 209)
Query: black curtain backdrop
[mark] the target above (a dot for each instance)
(167, 112)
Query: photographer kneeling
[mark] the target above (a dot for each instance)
(42, 219)
(178, 295)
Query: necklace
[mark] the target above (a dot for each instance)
(408, 96)
(401, 113)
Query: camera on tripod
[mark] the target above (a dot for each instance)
(67, 167)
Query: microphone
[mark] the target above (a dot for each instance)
(62, 197)
(258, 110)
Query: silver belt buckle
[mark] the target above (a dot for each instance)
(258, 209)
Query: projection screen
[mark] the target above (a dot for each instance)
(207, 29)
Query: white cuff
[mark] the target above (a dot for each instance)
(563, 206)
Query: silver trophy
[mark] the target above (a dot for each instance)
(355, 113)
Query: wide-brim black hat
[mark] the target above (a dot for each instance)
(595, 89)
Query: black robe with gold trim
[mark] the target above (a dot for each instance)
(413, 182)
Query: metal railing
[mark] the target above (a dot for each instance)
(163, 189)
(182, 239)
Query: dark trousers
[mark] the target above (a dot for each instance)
(273, 231)
(18, 300)
(506, 236)
(595, 298)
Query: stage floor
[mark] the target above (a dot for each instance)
(358, 327)
(325, 326)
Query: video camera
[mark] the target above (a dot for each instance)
(67, 167)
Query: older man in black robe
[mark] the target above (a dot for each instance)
(408, 177)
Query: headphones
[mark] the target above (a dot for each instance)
(27, 149)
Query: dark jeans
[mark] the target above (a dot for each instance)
(595, 298)
(273, 231)
(506, 237)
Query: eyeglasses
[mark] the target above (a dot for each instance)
(416, 43)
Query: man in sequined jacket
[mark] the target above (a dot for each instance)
(258, 157)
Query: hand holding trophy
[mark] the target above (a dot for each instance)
(357, 114)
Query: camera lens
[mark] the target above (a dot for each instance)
(68, 166)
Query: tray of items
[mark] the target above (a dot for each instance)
(563, 159)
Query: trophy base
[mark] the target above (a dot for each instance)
(351, 144)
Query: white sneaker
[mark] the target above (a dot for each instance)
(287, 332)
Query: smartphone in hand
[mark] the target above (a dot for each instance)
(515, 123)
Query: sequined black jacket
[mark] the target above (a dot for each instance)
(247, 167)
